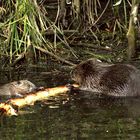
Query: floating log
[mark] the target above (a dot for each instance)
(11, 106)
(6, 109)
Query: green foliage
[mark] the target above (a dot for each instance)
(24, 22)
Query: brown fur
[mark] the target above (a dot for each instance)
(113, 80)
(17, 88)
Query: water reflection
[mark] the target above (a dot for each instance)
(77, 119)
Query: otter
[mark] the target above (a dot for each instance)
(17, 88)
(118, 80)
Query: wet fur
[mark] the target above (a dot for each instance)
(112, 80)
(17, 88)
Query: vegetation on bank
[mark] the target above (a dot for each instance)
(33, 30)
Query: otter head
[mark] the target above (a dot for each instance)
(84, 70)
(21, 87)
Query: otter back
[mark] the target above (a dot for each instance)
(17, 88)
(112, 80)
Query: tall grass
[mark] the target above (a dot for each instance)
(24, 20)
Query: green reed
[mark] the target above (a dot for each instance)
(24, 20)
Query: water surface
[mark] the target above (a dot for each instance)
(79, 118)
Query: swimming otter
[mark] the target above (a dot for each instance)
(108, 79)
(17, 88)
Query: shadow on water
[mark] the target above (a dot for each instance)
(81, 117)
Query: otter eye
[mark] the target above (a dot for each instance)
(18, 82)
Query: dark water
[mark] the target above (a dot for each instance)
(80, 118)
